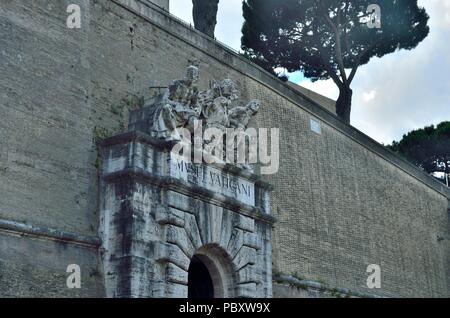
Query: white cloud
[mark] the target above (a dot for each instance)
(369, 96)
(406, 90)
(413, 87)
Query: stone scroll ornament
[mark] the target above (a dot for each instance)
(183, 105)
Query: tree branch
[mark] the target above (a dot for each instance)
(358, 62)
(337, 36)
(327, 67)
(352, 74)
(346, 42)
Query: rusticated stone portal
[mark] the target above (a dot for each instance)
(157, 216)
(167, 224)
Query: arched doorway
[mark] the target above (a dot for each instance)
(200, 284)
(210, 274)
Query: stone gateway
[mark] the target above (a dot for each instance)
(173, 229)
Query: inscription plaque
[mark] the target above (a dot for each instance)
(213, 179)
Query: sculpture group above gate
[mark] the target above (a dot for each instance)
(183, 104)
(159, 213)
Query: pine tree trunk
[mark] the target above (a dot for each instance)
(344, 104)
(205, 15)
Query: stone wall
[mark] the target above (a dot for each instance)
(342, 201)
(161, 3)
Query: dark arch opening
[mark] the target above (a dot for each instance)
(200, 284)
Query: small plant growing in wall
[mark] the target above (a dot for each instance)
(127, 104)
(99, 134)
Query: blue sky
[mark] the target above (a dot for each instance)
(402, 91)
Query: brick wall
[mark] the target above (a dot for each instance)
(341, 201)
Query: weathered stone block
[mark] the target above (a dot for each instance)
(170, 253)
(178, 236)
(176, 275)
(172, 216)
(246, 290)
(245, 256)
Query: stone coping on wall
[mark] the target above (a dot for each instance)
(22, 229)
(225, 55)
(320, 287)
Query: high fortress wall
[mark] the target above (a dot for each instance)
(339, 202)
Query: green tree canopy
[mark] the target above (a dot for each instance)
(428, 148)
(329, 38)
